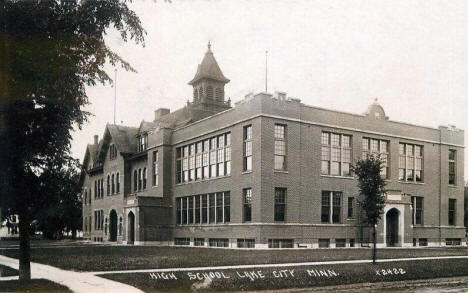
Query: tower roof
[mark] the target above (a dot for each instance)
(209, 69)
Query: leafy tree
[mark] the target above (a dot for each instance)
(372, 190)
(49, 51)
(61, 209)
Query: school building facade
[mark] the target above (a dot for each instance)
(269, 172)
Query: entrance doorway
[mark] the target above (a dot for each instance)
(113, 226)
(131, 228)
(392, 227)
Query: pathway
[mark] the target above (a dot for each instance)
(77, 282)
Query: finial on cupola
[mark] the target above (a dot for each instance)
(209, 45)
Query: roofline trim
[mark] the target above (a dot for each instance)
(311, 123)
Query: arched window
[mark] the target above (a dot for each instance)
(140, 179)
(86, 224)
(118, 182)
(85, 197)
(144, 178)
(108, 184)
(219, 94)
(135, 180)
(113, 183)
(209, 92)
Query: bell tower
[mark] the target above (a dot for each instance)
(208, 84)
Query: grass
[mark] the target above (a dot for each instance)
(300, 278)
(7, 271)
(35, 285)
(108, 258)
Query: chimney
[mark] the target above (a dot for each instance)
(161, 112)
(96, 139)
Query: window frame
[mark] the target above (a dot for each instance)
(280, 138)
(331, 147)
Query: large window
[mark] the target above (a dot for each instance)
(204, 159)
(247, 204)
(378, 148)
(331, 206)
(417, 203)
(135, 180)
(117, 183)
(350, 207)
(108, 184)
(452, 211)
(113, 183)
(155, 168)
(452, 167)
(247, 148)
(204, 208)
(280, 204)
(280, 147)
(410, 163)
(336, 154)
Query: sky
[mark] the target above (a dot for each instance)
(340, 55)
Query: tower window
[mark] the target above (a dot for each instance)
(219, 94)
(209, 92)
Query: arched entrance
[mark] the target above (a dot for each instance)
(131, 228)
(391, 219)
(113, 226)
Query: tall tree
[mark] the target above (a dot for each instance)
(49, 52)
(372, 191)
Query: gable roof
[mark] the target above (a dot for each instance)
(124, 137)
(209, 68)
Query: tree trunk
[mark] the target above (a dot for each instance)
(374, 249)
(24, 251)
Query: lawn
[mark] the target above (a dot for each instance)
(35, 285)
(108, 258)
(292, 277)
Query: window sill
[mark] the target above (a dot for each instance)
(332, 176)
(409, 182)
(281, 171)
(202, 180)
(452, 186)
(247, 172)
(350, 219)
(155, 186)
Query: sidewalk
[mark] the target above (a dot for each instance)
(77, 282)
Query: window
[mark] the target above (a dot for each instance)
(212, 210)
(280, 243)
(245, 243)
(117, 177)
(197, 208)
(410, 163)
(280, 147)
(108, 184)
(219, 207)
(135, 180)
(452, 167)
(227, 206)
(179, 210)
(85, 197)
(340, 242)
(350, 207)
(199, 241)
(181, 241)
(280, 204)
(336, 154)
(209, 92)
(379, 148)
(190, 210)
(452, 241)
(331, 206)
(112, 152)
(145, 178)
(204, 208)
(422, 241)
(417, 211)
(204, 159)
(142, 142)
(351, 242)
(95, 189)
(452, 211)
(324, 243)
(113, 183)
(218, 242)
(184, 210)
(247, 202)
(140, 179)
(247, 148)
(155, 168)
